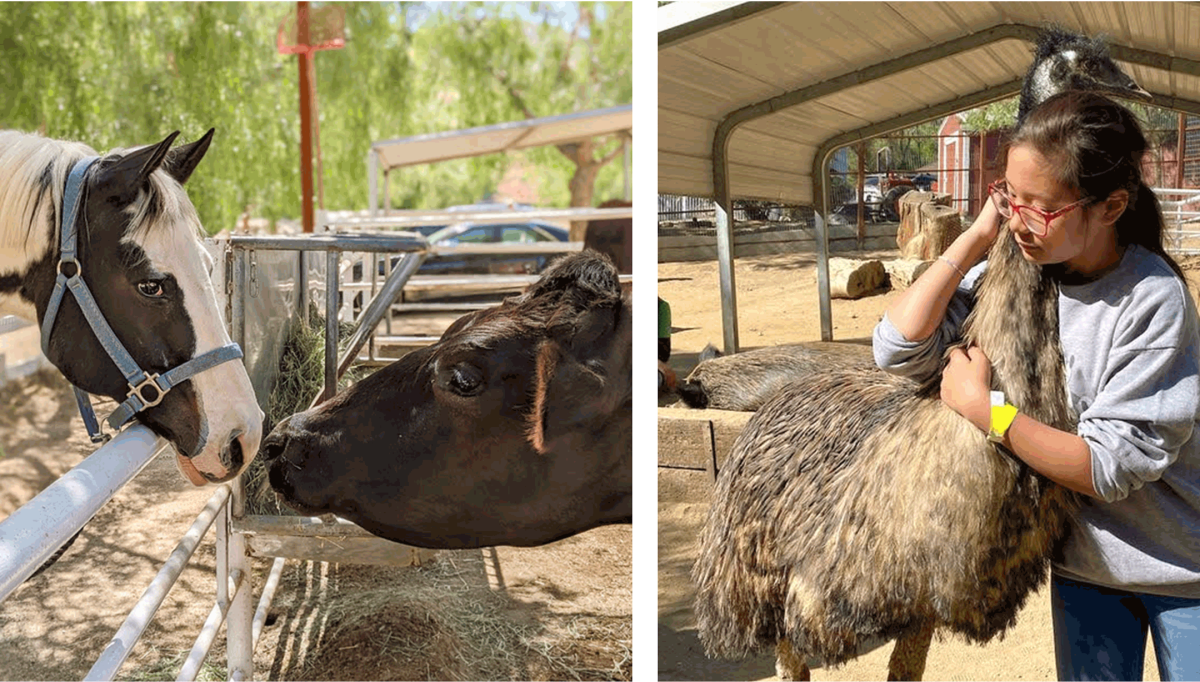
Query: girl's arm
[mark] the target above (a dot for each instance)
(918, 311)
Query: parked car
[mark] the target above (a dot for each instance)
(522, 232)
(517, 232)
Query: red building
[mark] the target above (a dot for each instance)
(967, 162)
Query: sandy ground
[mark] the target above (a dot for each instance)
(777, 304)
(562, 611)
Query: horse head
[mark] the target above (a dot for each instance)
(140, 255)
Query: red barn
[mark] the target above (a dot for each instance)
(964, 171)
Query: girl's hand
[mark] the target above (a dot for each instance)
(966, 386)
(987, 224)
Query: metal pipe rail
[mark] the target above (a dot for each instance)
(131, 630)
(33, 533)
(399, 219)
(334, 242)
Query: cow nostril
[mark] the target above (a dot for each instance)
(272, 447)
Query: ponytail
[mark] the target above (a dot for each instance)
(1142, 223)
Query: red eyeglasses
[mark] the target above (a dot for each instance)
(1037, 220)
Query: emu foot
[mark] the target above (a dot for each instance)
(908, 658)
(789, 664)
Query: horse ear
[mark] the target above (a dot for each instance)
(122, 180)
(182, 160)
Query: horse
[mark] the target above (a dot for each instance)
(104, 254)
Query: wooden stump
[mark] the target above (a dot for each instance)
(849, 278)
(903, 272)
(928, 225)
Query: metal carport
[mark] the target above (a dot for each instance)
(754, 97)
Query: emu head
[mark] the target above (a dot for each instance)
(1067, 61)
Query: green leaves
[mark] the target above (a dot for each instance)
(125, 74)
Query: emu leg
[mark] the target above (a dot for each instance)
(789, 664)
(908, 658)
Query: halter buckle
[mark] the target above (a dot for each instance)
(148, 383)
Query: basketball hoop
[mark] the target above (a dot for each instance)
(326, 31)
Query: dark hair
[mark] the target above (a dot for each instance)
(1098, 147)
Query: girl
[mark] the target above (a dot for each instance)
(1073, 197)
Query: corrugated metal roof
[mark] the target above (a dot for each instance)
(754, 97)
(845, 56)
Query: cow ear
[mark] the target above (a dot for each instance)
(584, 380)
(182, 160)
(121, 181)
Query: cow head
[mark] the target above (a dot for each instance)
(514, 428)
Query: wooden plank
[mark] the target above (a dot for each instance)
(298, 526)
(697, 439)
(345, 550)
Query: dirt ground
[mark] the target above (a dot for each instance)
(562, 611)
(777, 304)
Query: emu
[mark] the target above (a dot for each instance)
(1067, 61)
(815, 542)
(743, 382)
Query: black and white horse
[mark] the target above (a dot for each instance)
(118, 231)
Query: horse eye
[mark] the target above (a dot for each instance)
(150, 288)
(466, 380)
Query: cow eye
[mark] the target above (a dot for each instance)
(150, 288)
(466, 380)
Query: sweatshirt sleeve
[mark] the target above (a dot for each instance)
(1149, 396)
(922, 359)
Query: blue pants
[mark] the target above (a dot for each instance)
(1100, 632)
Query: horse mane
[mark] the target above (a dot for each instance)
(32, 167)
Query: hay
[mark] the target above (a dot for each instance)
(441, 621)
(301, 378)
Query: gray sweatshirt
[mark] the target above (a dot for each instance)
(1131, 342)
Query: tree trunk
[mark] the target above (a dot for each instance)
(849, 278)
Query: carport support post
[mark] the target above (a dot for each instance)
(373, 180)
(724, 214)
(823, 250)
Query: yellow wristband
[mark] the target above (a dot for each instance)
(1003, 415)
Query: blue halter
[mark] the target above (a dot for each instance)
(146, 389)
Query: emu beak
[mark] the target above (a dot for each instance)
(1138, 93)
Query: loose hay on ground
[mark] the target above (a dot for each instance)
(438, 621)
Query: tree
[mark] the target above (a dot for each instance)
(500, 61)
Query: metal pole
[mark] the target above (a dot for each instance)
(131, 630)
(331, 322)
(823, 251)
(306, 87)
(627, 141)
(31, 534)
(239, 645)
(380, 304)
(373, 181)
(208, 633)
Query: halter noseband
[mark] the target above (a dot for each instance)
(146, 389)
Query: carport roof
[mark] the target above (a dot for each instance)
(502, 137)
(777, 87)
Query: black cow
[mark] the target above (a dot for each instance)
(513, 429)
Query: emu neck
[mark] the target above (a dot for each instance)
(1015, 323)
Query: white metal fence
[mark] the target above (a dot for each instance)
(32, 534)
(1181, 212)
